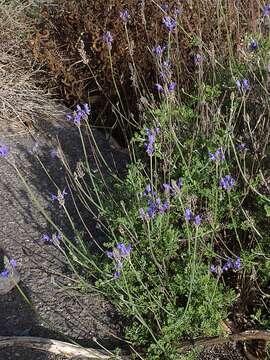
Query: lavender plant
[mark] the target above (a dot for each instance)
(189, 224)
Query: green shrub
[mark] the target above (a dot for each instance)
(187, 242)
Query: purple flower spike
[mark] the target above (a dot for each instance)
(188, 214)
(237, 264)
(86, 109)
(124, 251)
(164, 207)
(167, 187)
(109, 254)
(169, 22)
(5, 273)
(266, 10)
(13, 263)
(159, 88)
(172, 86)
(177, 12)
(218, 155)
(158, 50)
(46, 239)
(164, 7)
(117, 274)
(213, 269)
(151, 139)
(60, 197)
(4, 150)
(198, 59)
(53, 153)
(69, 117)
(242, 147)
(197, 220)
(124, 15)
(120, 252)
(238, 85)
(253, 45)
(227, 182)
(246, 85)
(108, 39)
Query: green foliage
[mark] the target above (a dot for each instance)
(189, 223)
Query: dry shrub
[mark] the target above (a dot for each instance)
(69, 28)
(21, 101)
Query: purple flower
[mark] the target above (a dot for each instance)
(53, 153)
(124, 15)
(158, 50)
(78, 114)
(218, 155)
(117, 274)
(164, 7)
(124, 251)
(110, 254)
(188, 214)
(86, 109)
(266, 10)
(169, 22)
(242, 147)
(177, 12)
(46, 239)
(179, 183)
(108, 39)
(227, 182)
(13, 263)
(77, 117)
(5, 273)
(237, 263)
(159, 88)
(164, 207)
(197, 220)
(198, 59)
(172, 86)
(244, 86)
(69, 117)
(151, 139)
(152, 209)
(253, 45)
(120, 252)
(4, 150)
(228, 265)
(60, 197)
(147, 189)
(167, 187)
(238, 85)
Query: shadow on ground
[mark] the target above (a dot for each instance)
(58, 310)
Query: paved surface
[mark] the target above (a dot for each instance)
(57, 309)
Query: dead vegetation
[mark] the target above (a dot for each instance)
(67, 26)
(21, 101)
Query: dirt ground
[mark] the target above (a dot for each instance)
(58, 310)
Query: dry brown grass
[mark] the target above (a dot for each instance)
(21, 101)
(220, 27)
